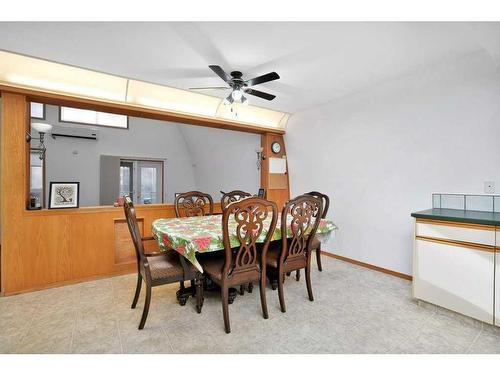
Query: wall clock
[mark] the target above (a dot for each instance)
(276, 147)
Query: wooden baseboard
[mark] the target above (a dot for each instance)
(367, 265)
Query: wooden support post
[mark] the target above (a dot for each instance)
(275, 191)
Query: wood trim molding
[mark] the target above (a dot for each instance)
(279, 196)
(468, 245)
(456, 224)
(136, 111)
(107, 209)
(72, 282)
(368, 265)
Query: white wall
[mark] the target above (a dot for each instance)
(223, 160)
(381, 152)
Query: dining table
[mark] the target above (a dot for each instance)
(202, 234)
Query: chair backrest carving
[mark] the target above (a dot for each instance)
(244, 263)
(302, 215)
(326, 201)
(193, 203)
(232, 196)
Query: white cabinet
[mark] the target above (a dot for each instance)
(497, 280)
(454, 267)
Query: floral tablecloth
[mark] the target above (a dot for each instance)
(202, 234)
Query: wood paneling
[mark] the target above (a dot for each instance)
(57, 247)
(278, 188)
(124, 246)
(14, 123)
(278, 181)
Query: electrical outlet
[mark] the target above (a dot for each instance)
(489, 187)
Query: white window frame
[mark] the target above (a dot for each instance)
(96, 122)
(43, 111)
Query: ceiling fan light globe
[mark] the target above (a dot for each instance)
(237, 95)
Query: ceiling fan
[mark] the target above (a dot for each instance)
(239, 86)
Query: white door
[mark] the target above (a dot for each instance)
(142, 180)
(149, 182)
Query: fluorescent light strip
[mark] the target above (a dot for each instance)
(44, 75)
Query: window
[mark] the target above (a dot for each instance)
(85, 116)
(38, 111)
(142, 180)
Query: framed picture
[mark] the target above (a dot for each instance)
(64, 194)
(262, 193)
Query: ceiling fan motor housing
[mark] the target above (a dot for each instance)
(237, 80)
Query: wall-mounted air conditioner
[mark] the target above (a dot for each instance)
(74, 132)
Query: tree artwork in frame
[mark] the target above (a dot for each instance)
(64, 194)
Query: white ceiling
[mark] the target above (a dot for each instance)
(317, 62)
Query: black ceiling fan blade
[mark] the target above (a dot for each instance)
(260, 94)
(262, 79)
(220, 72)
(210, 88)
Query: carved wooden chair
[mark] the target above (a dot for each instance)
(245, 263)
(193, 203)
(292, 254)
(232, 196)
(156, 268)
(316, 244)
(228, 198)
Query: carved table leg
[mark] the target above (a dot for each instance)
(183, 295)
(199, 292)
(193, 288)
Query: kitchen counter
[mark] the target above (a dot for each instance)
(473, 217)
(455, 260)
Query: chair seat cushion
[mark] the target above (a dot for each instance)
(166, 266)
(212, 266)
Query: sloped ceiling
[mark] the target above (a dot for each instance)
(317, 62)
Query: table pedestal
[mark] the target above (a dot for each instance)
(184, 292)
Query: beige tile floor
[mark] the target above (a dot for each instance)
(356, 310)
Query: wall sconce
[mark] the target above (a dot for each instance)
(41, 128)
(260, 156)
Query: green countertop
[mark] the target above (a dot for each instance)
(474, 217)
